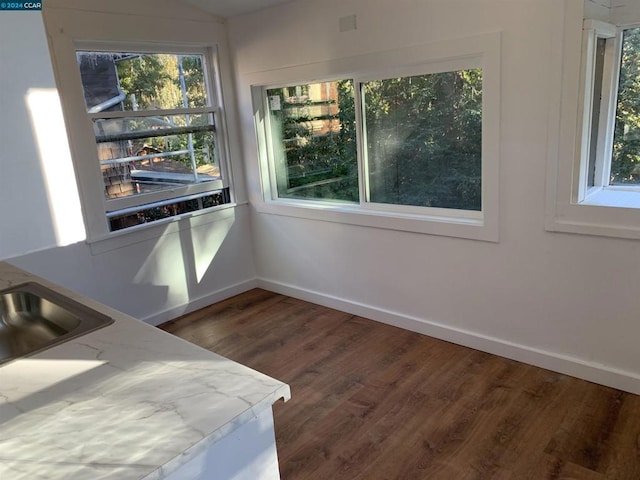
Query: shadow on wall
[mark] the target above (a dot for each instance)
(189, 259)
(193, 259)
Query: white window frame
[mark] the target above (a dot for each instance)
(601, 192)
(572, 206)
(70, 31)
(593, 31)
(476, 52)
(210, 72)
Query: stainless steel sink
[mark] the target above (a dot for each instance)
(34, 318)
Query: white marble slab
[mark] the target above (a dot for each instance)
(127, 401)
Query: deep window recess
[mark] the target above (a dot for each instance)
(610, 149)
(422, 137)
(154, 122)
(593, 182)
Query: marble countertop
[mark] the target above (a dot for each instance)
(128, 401)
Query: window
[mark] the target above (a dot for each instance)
(155, 132)
(592, 186)
(610, 149)
(410, 141)
(424, 140)
(146, 106)
(312, 131)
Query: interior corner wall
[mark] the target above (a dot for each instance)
(618, 12)
(566, 302)
(625, 12)
(156, 279)
(598, 10)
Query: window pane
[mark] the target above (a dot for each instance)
(171, 208)
(424, 139)
(141, 81)
(625, 164)
(133, 128)
(131, 167)
(598, 78)
(314, 141)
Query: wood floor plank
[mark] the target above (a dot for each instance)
(583, 439)
(371, 412)
(624, 443)
(375, 402)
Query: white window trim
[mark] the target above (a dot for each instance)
(209, 55)
(601, 193)
(72, 30)
(480, 51)
(571, 207)
(592, 31)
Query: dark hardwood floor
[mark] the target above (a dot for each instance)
(371, 401)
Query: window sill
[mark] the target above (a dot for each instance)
(159, 228)
(607, 213)
(614, 197)
(472, 225)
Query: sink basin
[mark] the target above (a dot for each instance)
(34, 318)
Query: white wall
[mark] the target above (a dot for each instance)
(28, 222)
(598, 9)
(42, 229)
(619, 12)
(625, 12)
(566, 302)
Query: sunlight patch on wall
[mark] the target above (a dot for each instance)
(51, 135)
(180, 258)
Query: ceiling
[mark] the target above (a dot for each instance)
(231, 8)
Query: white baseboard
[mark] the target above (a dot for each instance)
(200, 302)
(557, 362)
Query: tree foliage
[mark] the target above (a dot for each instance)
(317, 165)
(153, 81)
(424, 141)
(143, 79)
(625, 165)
